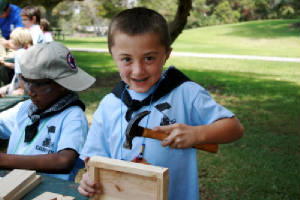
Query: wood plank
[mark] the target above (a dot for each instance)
(126, 166)
(53, 196)
(35, 181)
(14, 181)
(127, 180)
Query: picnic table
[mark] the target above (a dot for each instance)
(58, 34)
(51, 184)
(9, 101)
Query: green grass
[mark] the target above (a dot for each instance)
(265, 163)
(263, 38)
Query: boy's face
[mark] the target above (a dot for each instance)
(27, 21)
(140, 59)
(43, 92)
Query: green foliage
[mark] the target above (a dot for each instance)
(109, 8)
(167, 7)
(223, 13)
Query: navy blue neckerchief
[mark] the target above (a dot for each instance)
(70, 99)
(171, 80)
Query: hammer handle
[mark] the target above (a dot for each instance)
(148, 133)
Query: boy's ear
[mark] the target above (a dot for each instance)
(34, 19)
(168, 53)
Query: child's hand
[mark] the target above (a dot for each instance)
(2, 62)
(18, 92)
(88, 187)
(180, 135)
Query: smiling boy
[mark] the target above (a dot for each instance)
(139, 42)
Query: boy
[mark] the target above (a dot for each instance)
(47, 132)
(20, 40)
(45, 27)
(31, 17)
(139, 42)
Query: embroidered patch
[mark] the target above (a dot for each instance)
(165, 120)
(51, 129)
(71, 61)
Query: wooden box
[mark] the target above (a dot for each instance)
(128, 180)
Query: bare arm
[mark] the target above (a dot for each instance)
(61, 162)
(220, 132)
(7, 64)
(5, 43)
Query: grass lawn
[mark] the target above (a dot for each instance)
(261, 38)
(265, 163)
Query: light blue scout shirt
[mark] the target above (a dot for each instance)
(67, 129)
(189, 104)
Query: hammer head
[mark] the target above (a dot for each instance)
(133, 129)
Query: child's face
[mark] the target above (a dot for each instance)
(43, 92)
(27, 21)
(140, 59)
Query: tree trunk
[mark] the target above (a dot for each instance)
(49, 17)
(177, 25)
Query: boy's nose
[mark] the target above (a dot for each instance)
(31, 92)
(137, 68)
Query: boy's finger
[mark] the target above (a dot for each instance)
(86, 160)
(167, 141)
(166, 129)
(85, 191)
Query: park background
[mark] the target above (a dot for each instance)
(261, 86)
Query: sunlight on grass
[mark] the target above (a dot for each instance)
(264, 38)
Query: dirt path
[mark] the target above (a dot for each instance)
(208, 55)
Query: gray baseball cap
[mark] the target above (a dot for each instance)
(54, 61)
(3, 5)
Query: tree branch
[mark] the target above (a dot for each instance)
(177, 25)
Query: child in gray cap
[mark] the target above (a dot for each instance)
(47, 132)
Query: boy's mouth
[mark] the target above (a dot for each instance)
(139, 80)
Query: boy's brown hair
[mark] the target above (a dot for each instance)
(45, 25)
(139, 20)
(30, 12)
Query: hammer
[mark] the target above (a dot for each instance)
(134, 130)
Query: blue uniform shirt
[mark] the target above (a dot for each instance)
(189, 103)
(12, 21)
(65, 130)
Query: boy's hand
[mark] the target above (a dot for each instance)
(88, 187)
(181, 136)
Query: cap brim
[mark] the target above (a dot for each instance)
(77, 82)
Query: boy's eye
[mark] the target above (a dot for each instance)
(149, 58)
(126, 59)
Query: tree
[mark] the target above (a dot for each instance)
(48, 5)
(177, 25)
(177, 16)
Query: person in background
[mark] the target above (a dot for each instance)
(31, 17)
(21, 40)
(140, 44)
(10, 18)
(47, 131)
(45, 27)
